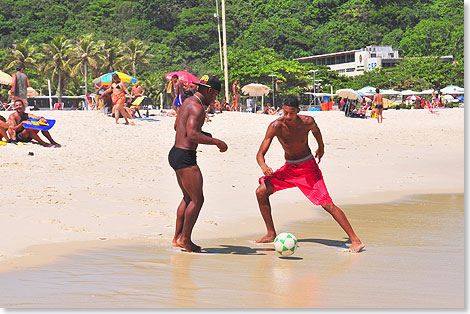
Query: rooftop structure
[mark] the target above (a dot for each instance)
(355, 62)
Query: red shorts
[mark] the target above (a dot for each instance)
(306, 176)
(116, 97)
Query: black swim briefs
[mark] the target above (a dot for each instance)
(181, 158)
(379, 106)
(20, 137)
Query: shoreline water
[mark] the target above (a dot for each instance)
(407, 241)
(46, 254)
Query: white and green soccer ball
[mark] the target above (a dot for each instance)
(285, 244)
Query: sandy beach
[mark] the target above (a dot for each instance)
(111, 185)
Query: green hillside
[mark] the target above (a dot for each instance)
(153, 37)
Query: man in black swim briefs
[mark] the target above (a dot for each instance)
(19, 117)
(182, 158)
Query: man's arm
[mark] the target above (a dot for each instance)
(263, 148)
(13, 84)
(317, 134)
(193, 130)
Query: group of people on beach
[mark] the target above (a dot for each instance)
(118, 100)
(13, 130)
(300, 170)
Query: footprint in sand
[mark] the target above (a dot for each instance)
(211, 222)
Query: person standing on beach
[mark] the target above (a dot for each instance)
(19, 85)
(235, 96)
(182, 158)
(177, 92)
(378, 101)
(118, 96)
(300, 170)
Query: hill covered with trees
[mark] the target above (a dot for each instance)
(74, 39)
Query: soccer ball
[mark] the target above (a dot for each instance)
(285, 244)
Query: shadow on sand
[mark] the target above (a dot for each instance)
(236, 249)
(335, 243)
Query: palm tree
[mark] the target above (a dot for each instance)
(86, 55)
(23, 52)
(57, 57)
(111, 55)
(137, 54)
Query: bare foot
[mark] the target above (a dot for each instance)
(175, 243)
(356, 247)
(188, 245)
(266, 239)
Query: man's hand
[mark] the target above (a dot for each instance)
(319, 154)
(222, 146)
(267, 171)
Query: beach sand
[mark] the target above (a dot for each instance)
(111, 185)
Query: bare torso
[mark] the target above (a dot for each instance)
(378, 99)
(294, 139)
(190, 114)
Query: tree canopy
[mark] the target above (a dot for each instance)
(150, 37)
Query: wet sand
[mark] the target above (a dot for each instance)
(414, 258)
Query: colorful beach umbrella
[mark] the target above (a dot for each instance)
(183, 76)
(107, 78)
(413, 98)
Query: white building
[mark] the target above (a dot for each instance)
(355, 62)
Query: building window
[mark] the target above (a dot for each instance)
(350, 70)
(391, 55)
(373, 55)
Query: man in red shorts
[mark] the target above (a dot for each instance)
(300, 169)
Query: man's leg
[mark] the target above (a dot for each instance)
(49, 137)
(263, 192)
(34, 135)
(340, 217)
(180, 212)
(191, 179)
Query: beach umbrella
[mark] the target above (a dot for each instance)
(413, 98)
(31, 92)
(389, 92)
(106, 79)
(255, 89)
(408, 92)
(367, 90)
(5, 78)
(183, 76)
(348, 93)
(452, 89)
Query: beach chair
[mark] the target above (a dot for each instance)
(6, 106)
(90, 102)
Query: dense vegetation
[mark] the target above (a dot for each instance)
(68, 40)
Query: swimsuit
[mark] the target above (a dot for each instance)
(115, 97)
(21, 138)
(181, 158)
(179, 100)
(304, 174)
(379, 106)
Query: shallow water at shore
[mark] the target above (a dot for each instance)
(414, 258)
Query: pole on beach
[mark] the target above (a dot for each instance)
(50, 97)
(224, 34)
(218, 29)
(272, 79)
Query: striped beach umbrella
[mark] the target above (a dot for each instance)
(106, 79)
